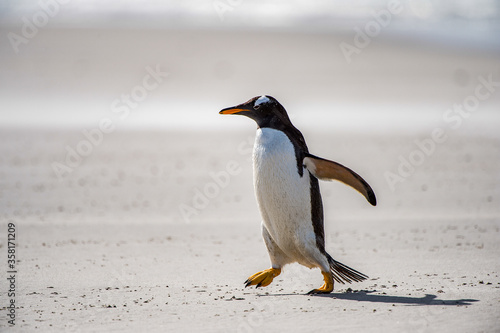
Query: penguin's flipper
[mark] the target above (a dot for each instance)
(329, 170)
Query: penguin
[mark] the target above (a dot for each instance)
(287, 190)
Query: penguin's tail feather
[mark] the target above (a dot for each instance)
(342, 273)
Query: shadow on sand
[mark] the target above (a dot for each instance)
(367, 296)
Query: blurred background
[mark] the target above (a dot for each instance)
(109, 109)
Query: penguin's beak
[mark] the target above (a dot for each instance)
(239, 109)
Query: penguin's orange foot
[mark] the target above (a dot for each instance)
(264, 278)
(326, 288)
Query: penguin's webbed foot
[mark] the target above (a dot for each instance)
(320, 290)
(264, 278)
(326, 288)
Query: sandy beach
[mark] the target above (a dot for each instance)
(108, 249)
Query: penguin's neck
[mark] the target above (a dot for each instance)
(270, 138)
(275, 145)
(273, 150)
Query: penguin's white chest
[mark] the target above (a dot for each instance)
(284, 197)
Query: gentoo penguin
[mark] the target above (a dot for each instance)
(287, 190)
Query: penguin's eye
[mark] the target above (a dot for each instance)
(256, 107)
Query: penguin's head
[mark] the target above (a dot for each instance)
(265, 110)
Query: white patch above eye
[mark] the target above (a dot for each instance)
(262, 100)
